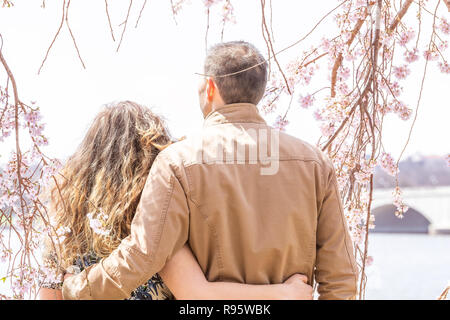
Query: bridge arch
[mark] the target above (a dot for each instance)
(433, 203)
(413, 220)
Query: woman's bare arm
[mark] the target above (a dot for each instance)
(50, 294)
(50, 288)
(184, 277)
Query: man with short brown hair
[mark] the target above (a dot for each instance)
(255, 205)
(225, 63)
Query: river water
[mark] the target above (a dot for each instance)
(405, 266)
(408, 266)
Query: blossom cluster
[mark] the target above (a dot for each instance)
(306, 101)
(7, 122)
(32, 122)
(398, 202)
(350, 118)
(281, 123)
(98, 221)
(226, 12)
(23, 177)
(388, 165)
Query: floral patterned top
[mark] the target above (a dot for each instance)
(153, 289)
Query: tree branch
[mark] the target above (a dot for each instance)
(399, 15)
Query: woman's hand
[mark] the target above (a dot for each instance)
(296, 288)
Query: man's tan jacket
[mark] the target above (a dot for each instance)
(255, 205)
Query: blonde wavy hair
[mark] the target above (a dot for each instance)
(107, 173)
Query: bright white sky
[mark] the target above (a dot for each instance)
(157, 61)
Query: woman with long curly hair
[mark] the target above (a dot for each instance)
(93, 201)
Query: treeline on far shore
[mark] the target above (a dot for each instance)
(416, 171)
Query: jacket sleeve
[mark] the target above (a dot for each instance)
(336, 271)
(159, 228)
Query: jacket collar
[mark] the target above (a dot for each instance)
(234, 113)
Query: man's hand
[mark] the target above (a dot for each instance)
(296, 288)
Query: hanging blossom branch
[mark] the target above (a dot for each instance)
(446, 291)
(368, 59)
(268, 38)
(64, 18)
(23, 217)
(109, 20)
(125, 25)
(140, 13)
(227, 15)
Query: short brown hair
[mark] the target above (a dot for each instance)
(230, 57)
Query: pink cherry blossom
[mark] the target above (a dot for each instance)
(317, 115)
(209, 3)
(386, 39)
(177, 5)
(444, 26)
(342, 88)
(406, 36)
(228, 12)
(400, 109)
(398, 202)
(442, 45)
(444, 67)
(327, 129)
(306, 101)
(325, 44)
(281, 123)
(401, 72)
(430, 55)
(344, 73)
(388, 164)
(395, 88)
(411, 56)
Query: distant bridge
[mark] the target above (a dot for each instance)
(429, 210)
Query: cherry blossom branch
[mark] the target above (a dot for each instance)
(338, 61)
(444, 294)
(140, 14)
(207, 29)
(125, 25)
(375, 95)
(421, 89)
(72, 36)
(54, 38)
(174, 13)
(64, 17)
(281, 51)
(17, 139)
(399, 15)
(109, 20)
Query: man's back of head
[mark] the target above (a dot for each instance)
(239, 70)
(236, 72)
